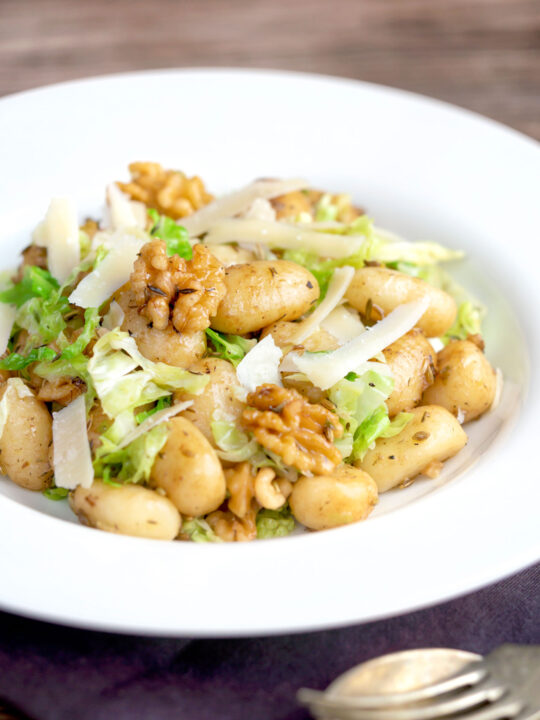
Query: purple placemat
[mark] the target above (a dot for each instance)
(56, 673)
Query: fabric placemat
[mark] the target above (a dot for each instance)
(56, 673)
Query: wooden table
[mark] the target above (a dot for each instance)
(481, 54)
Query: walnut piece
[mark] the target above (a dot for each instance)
(300, 432)
(299, 202)
(171, 289)
(170, 192)
(241, 486)
(62, 390)
(230, 528)
(31, 255)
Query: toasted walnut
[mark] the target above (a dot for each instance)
(250, 489)
(169, 191)
(32, 255)
(300, 432)
(230, 528)
(90, 227)
(61, 390)
(300, 202)
(241, 486)
(186, 293)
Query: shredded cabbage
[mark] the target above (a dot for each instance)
(233, 443)
(377, 425)
(133, 463)
(198, 530)
(468, 322)
(120, 386)
(274, 523)
(360, 404)
(229, 347)
(175, 236)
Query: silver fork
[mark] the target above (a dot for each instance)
(505, 684)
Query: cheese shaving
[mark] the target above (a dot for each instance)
(326, 369)
(114, 318)
(283, 235)
(343, 324)
(260, 365)
(109, 275)
(59, 233)
(123, 212)
(71, 451)
(238, 202)
(341, 279)
(154, 420)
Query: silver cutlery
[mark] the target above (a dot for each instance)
(435, 683)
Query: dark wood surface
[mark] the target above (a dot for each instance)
(481, 54)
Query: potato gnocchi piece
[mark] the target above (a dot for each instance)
(188, 470)
(325, 501)
(261, 292)
(283, 330)
(168, 346)
(127, 510)
(433, 435)
(217, 400)
(26, 441)
(465, 383)
(412, 361)
(386, 289)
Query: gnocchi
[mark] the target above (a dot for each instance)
(432, 436)
(387, 289)
(261, 292)
(465, 383)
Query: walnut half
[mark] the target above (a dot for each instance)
(300, 432)
(171, 289)
(170, 192)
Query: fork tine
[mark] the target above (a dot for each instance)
(337, 707)
(500, 711)
(470, 675)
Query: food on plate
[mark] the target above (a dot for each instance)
(229, 369)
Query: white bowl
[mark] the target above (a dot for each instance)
(421, 168)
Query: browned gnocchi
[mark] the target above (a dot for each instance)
(261, 292)
(465, 383)
(386, 289)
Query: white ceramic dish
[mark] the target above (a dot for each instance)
(422, 168)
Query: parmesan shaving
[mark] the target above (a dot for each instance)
(326, 369)
(154, 420)
(436, 343)
(285, 236)
(341, 279)
(13, 386)
(59, 233)
(260, 365)
(114, 318)
(238, 202)
(123, 212)
(7, 318)
(71, 451)
(261, 209)
(109, 275)
(343, 324)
